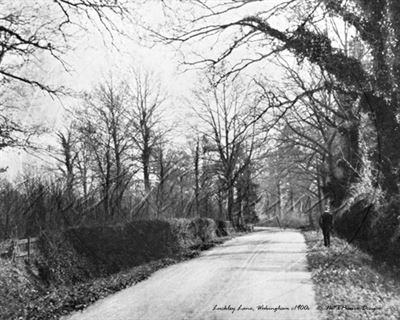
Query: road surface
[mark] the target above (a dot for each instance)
(262, 275)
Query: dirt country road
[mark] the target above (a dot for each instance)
(262, 275)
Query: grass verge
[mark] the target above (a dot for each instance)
(349, 284)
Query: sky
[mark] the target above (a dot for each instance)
(93, 60)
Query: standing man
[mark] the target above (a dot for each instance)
(326, 224)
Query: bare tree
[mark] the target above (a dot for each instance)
(145, 115)
(33, 33)
(228, 112)
(31, 30)
(196, 164)
(103, 130)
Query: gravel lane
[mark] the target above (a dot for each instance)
(262, 275)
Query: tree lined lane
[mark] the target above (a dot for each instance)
(257, 276)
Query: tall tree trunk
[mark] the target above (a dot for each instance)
(388, 135)
(239, 204)
(84, 181)
(146, 170)
(182, 205)
(106, 202)
(353, 155)
(230, 200)
(220, 204)
(279, 204)
(160, 197)
(117, 194)
(107, 187)
(197, 176)
(146, 180)
(319, 190)
(384, 113)
(291, 199)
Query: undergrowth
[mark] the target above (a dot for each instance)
(21, 299)
(349, 284)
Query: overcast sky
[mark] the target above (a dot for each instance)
(93, 60)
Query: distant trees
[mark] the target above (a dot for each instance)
(117, 146)
(117, 132)
(113, 154)
(316, 153)
(228, 112)
(103, 130)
